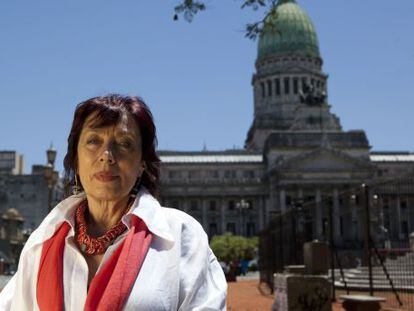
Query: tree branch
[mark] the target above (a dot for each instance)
(189, 8)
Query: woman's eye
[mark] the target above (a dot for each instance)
(126, 144)
(92, 141)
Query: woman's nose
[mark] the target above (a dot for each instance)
(108, 155)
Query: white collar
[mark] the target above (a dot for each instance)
(145, 207)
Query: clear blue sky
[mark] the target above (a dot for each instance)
(196, 77)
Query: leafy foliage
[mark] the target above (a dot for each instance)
(189, 8)
(230, 247)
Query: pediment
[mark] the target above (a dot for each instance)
(324, 159)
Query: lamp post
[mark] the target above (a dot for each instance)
(242, 206)
(50, 175)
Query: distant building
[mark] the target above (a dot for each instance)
(11, 163)
(295, 150)
(27, 193)
(12, 239)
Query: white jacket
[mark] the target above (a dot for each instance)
(180, 272)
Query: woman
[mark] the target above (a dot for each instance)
(111, 246)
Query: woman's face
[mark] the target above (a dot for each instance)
(109, 159)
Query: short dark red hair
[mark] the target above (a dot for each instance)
(109, 110)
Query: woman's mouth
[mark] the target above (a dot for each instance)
(105, 176)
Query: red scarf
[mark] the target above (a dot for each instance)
(110, 287)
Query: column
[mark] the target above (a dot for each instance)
(335, 216)
(262, 211)
(301, 224)
(282, 196)
(300, 193)
(266, 216)
(223, 215)
(204, 215)
(355, 233)
(398, 214)
(318, 215)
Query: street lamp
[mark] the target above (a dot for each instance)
(242, 206)
(50, 175)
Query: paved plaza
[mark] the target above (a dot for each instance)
(248, 295)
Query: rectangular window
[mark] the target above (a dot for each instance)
(174, 174)
(194, 205)
(248, 174)
(231, 205)
(286, 83)
(250, 202)
(231, 227)
(277, 86)
(212, 205)
(194, 174)
(295, 85)
(212, 174)
(212, 229)
(251, 229)
(269, 88)
(404, 228)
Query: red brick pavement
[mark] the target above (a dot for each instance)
(249, 295)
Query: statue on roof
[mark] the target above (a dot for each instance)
(311, 96)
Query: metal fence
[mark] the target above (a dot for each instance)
(368, 233)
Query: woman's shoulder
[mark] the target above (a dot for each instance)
(186, 224)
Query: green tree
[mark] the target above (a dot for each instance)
(229, 247)
(189, 8)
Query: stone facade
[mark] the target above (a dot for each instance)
(211, 186)
(28, 193)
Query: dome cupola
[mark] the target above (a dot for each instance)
(292, 32)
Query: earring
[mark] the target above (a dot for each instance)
(135, 189)
(76, 189)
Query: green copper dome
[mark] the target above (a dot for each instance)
(293, 32)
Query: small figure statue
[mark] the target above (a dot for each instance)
(311, 96)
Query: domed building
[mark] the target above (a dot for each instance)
(296, 158)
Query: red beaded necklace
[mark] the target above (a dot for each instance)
(88, 244)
